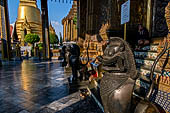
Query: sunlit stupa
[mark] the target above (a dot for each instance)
(28, 20)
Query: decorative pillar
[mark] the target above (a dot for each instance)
(2, 29)
(78, 18)
(149, 15)
(45, 30)
(67, 29)
(5, 30)
(8, 36)
(91, 17)
(74, 32)
(64, 31)
(71, 30)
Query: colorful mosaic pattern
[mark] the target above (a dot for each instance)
(146, 73)
(152, 48)
(146, 62)
(142, 84)
(151, 55)
(166, 73)
(161, 95)
(162, 98)
(162, 62)
(140, 54)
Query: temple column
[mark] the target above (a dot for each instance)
(8, 36)
(90, 14)
(74, 32)
(64, 31)
(67, 30)
(5, 30)
(45, 30)
(149, 15)
(78, 18)
(71, 30)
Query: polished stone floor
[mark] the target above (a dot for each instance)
(39, 87)
(29, 86)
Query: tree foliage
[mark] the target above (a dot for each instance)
(75, 20)
(32, 38)
(53, 39)
(61, 39)
(40, 45)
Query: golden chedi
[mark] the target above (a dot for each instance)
(28, 20)
(51, 28)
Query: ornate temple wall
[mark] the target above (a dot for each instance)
(103, 21)
(103, 18)
(69, 26)
(159, 26)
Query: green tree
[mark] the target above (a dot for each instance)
(75, 20)
(53, 39)
(40, 45)
(61, 39)
(32, 39)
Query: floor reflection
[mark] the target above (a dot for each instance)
(30, 85)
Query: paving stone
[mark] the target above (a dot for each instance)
(29, 87)
(24, 111)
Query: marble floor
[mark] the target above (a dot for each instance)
(32, 87)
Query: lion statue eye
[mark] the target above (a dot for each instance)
(116, 49)
(110, 53)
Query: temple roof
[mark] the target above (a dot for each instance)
(32, 3)
(51, 28)
(72, 12)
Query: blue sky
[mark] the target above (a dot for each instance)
(57, 11)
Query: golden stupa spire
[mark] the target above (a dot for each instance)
(29, 17)
(32, 3)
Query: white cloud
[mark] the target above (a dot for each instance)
(12, 24)
(55, 23)
(57, 26)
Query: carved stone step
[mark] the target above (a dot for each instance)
(145, 71)
(152, 47)
(147, 54)
(147, 62)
